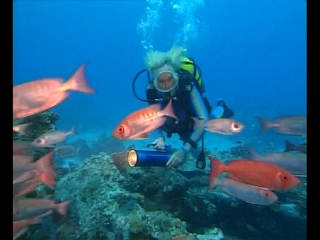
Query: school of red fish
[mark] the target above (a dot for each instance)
(251, 180)
(28, 99)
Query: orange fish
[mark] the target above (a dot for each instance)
(25, 187)
(24, 170)
(40, 95)
(138, 124)
(259, 174)
(29, 208)
(21, 147)
(20, 227)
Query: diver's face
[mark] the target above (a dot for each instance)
(165, 81)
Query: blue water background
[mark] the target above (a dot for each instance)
(251, 53)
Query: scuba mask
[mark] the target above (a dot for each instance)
(165, 79)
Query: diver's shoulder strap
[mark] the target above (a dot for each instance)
(151, 93)
(185, 80)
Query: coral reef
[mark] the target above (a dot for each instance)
(108, 204)
(158, 203)
(242, 151)
(108, 145)
(39, 124)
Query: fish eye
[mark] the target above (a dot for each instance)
(267, 194)
(39, 140)
(121, 129)
(236, 125)
(284, 177)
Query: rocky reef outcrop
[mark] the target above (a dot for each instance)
(158, 203)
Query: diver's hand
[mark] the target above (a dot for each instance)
(176, 158)
(159, 144)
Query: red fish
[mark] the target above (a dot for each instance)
(40, 95)
(29, 208)
(25, 187)
(139, 123)
(66, 151)
(49, 139)
(24, 170)
(259, 174)
(20, 227)
(21, 147)
(245, 192)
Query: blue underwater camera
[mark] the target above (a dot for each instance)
(148, 158)
(158, 158)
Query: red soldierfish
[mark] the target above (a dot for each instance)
(294, 147)
(66, 151)
(51, 138)
(21, 147)
(40, 95)
(225, 126)
(20, 227)
(29, 208)
(255, 173)
(295, 163)
(138, 124)
(23, 171)
(25, 187)
(245, 192)
(291, 125)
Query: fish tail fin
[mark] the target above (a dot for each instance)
(63, 208)
(22, 129)
(215, 183)
(48, 178)
(168, 110)
(216, 168)
(36, 220)
(289, 146)
(78, 81)
(47, 170)
(72, 131)
(198, 123)
(265, 124)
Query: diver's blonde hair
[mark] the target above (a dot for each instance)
(156, 59)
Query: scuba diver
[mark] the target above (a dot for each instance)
(177, 77)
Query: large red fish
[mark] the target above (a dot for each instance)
(139, 123)
(40, 95)
(259, 174)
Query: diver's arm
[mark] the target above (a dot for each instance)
(200, 112)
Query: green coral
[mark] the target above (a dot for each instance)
(137, 224)
(40, 123)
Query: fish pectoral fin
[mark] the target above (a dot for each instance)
(141, 136)
(299, 175)
(50, 146)
(275, 207)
